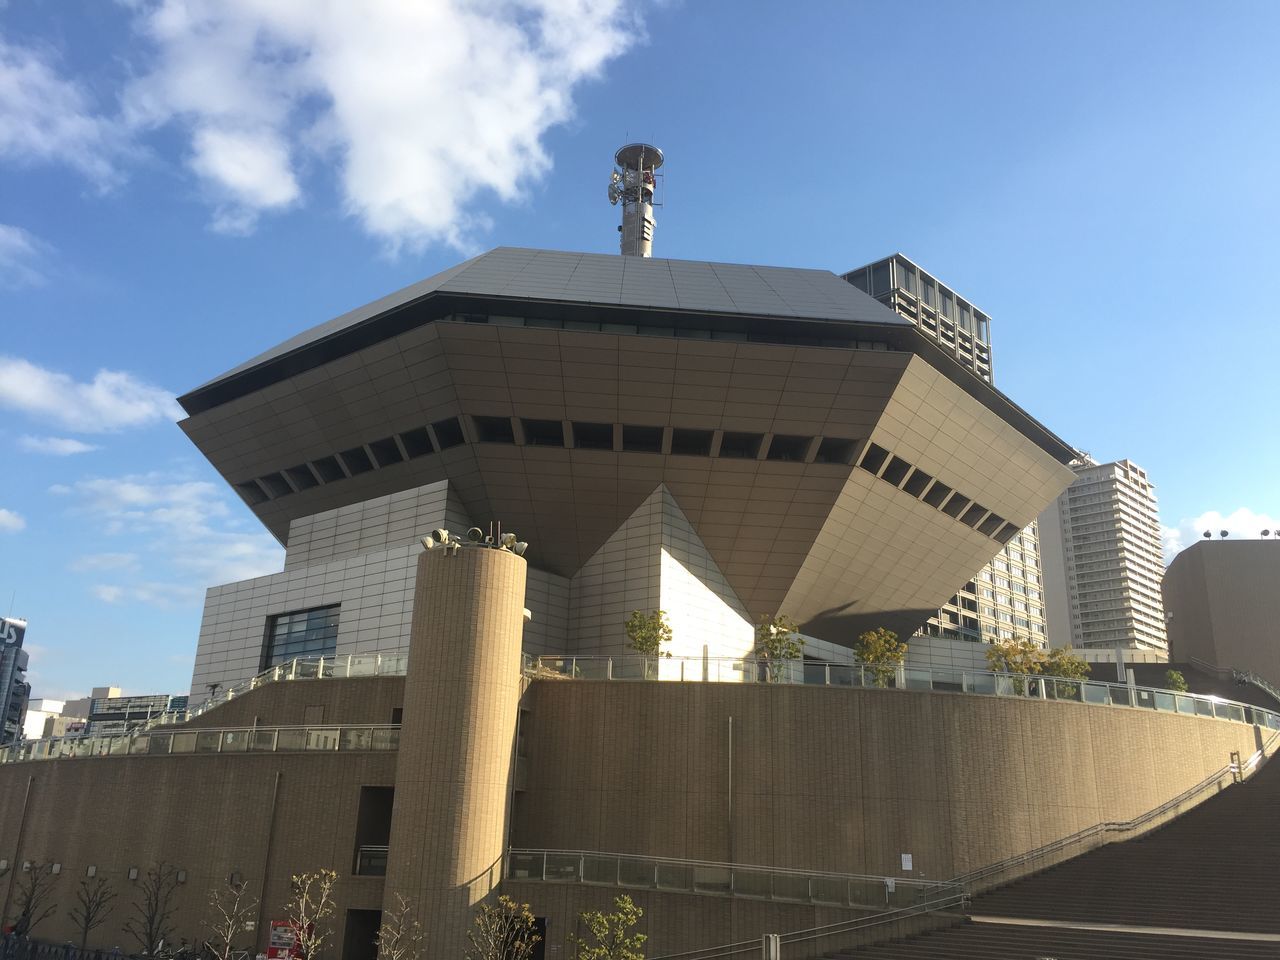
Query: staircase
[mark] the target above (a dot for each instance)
(1006, 941)
(1206, 885)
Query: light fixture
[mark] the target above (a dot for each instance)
(181, 876)
(475, 534)
(91, 871)
(430, 544)
(55, 869)
(133, 873)
(520, 548)
(1223, 534)
(1208, 534)
(440, 535)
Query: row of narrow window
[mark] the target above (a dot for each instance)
(577, 434)
(893, 469)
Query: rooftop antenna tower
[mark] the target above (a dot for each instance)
(632, 185)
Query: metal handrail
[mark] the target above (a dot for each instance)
(720, 865)
(1119, 826)
(829, 930)
(299, 668)
(638, 668)
(259, 739)
(1239, 676)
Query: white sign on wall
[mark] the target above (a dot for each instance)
(906, 862)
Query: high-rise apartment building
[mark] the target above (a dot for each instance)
(1006, 599)
(14, 689)
(1103, 560)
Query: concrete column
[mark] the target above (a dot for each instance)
(453, 775)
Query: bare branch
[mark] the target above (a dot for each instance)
(93, 905)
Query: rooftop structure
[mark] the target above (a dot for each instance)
(1219, 597)
(960, 328)
(796, 446)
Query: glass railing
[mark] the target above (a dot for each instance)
(721, 879)
(371, 861)
(212, 740)
(825, 674)
(303, 668)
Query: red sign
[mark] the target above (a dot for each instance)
(284, 941)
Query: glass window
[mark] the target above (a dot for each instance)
(926, 290)
(304, 633)
(947, 307)
(906, 276)
(880, 279)
(965, 322)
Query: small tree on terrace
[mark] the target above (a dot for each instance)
(232, 910)
(883, 652)
(777, 641)
(35, 887)
(151, 922)
(1174, 680)
(648, 632)
(611, 933)
(1020, 655)
(93, 904)
(1061, 662)
(504, 931)
(309, 909)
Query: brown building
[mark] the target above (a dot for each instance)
(718, 441)
(1220, 600)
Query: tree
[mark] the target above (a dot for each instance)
(35, 887)
(1020, 655)
(309, 910)
(611, 933)
(400, 935)
(93, 904)
(502, 932)
(881, 650)
(648, 632)
(233, 911)
(777, 641)
(151, 923)
(1174, 680)
(1060, 662)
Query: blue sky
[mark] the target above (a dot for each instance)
(183, 184)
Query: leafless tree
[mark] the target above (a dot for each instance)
(502, 932)
(35, 887)
(151, 923)
(93, 904)
(309, 909)
(400, 936)
(233, 910)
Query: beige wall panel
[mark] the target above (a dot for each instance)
(843, 780)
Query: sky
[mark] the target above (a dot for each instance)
(185, 183)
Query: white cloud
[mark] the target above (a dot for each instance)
(57, 446)
(47, 118)
(106, 561)
(1241, 524)
(189, 533)
(422, 105)
(112, 400)
(108, 594)
(11, 522)
(21, 256)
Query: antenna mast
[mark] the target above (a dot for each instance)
(632, 185)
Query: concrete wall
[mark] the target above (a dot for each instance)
(1221, 599)
(360, 556)
(210, 815)
(843, 780)
(656, 561)
(295, 703)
